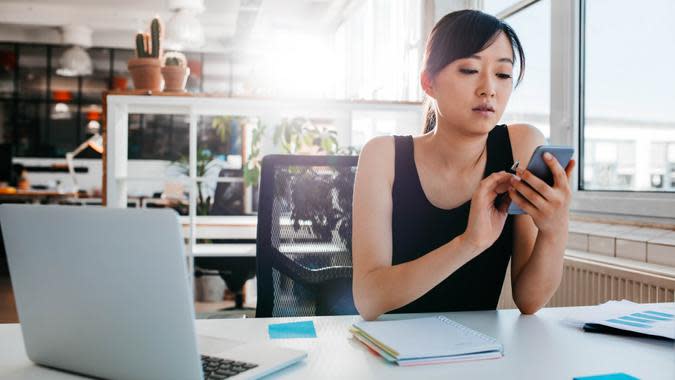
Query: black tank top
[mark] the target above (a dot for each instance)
(418, 227)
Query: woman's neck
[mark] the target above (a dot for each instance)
(455, 150)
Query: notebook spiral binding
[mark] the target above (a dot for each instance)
(467, 329)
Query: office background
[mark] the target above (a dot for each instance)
(588, 87)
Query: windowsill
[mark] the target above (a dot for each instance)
(625, 264)
(629, 242)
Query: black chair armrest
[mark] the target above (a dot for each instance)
(305, 275)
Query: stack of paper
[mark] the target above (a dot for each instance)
(427, 340)
(656, 320)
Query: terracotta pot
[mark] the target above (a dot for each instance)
(175, 77)
(145, 73)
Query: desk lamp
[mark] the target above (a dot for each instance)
(95, 142)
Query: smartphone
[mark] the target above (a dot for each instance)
(538, 167)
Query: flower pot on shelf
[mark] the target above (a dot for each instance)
(146, 74)
(175, 77)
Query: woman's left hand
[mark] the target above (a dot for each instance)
(547, 205)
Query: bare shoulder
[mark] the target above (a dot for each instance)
(379, 145)
(377, 158)
(524, 139)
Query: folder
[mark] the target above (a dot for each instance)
(426, 340)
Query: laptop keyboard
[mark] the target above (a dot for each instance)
(218, 368)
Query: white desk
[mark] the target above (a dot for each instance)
(239, 227)
(222, 227)
(224, 250)
(535, 347)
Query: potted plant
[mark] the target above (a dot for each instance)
(145, 68)
(175, 71)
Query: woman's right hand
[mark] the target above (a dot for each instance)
(486, 220)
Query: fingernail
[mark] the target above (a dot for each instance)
(515, 178)
(547, 155)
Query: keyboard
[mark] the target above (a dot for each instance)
(219, 368)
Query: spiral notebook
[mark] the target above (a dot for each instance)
(426, 340)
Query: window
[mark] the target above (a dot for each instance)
(608, 98)
(662, 166)
(43, 114)
(369, 124)
(496, 7)
(628, 120)
(610, 163)
(380, 46)
(530, 101)
(609, 94)
(158, 137)
(7, 70)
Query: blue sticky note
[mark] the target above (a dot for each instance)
(610, 376)
(304, 329)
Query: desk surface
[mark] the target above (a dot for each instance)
(222, 227)
(535, 347)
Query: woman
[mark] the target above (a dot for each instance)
(431, 232)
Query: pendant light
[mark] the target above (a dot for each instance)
(184, 29)
(75, 61)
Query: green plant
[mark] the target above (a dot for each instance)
(149, 45)
(301, 136)
(205, 166)
(254, 159)
(223, 127)
(174, 58)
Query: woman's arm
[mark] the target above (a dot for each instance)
(380, 287)
(540, 236)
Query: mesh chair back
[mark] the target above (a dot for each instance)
(304, 241)
(228, 197)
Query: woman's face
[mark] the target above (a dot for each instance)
(472, 92)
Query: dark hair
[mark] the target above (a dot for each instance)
(459, 35)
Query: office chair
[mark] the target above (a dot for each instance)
(228, 199)
(304, 237)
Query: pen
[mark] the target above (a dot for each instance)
(500, 198)
(513, 168)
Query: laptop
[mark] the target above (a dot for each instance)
(104, 292)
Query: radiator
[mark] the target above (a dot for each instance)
(589, 282)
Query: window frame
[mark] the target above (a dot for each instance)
(567, 120)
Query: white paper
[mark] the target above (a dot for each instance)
(651, 319)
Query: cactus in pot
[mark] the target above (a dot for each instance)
(175, 71)
(174, 58)
(149, 45)
(145, 68)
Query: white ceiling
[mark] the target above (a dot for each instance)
(227, 23)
